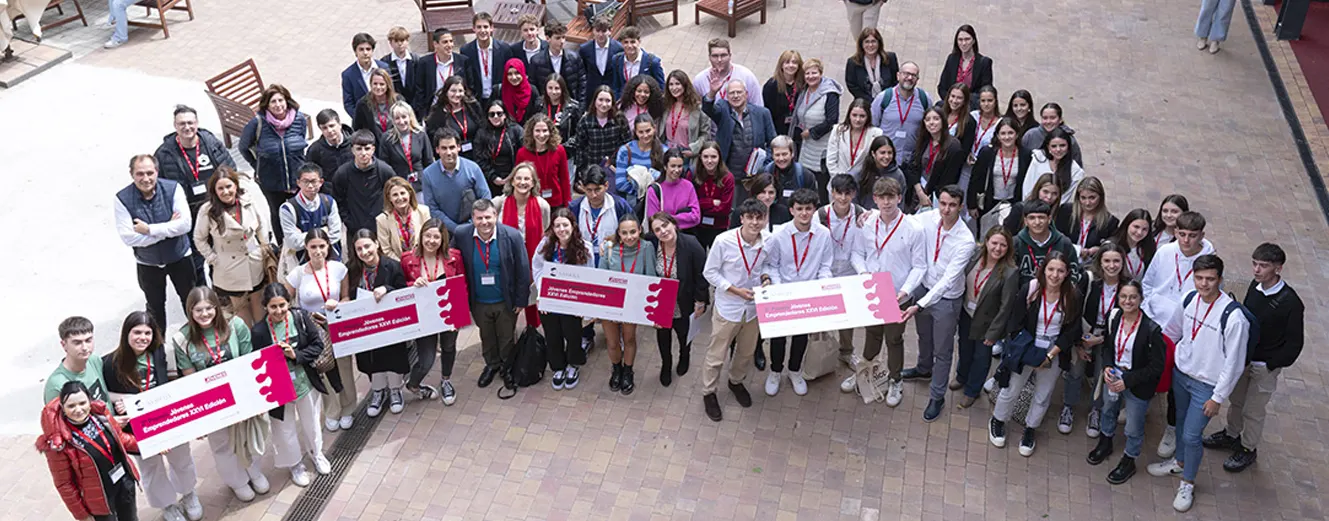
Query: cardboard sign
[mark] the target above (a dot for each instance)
(405, 314)
(608, 295)
(799, 308)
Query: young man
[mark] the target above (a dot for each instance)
(889, 242)
(152, 216)
(452, 183)
(798, 251)
(1038, 239)
(189, 156)
(79, 364)
(741, 129)
(899, 111)
(789, 175)
(358, 186)
(841, 217)
(1211, 351)
(633, 61)
(333, 149)
(432, 70)
(723, 70)
(1280, 314)
(309, 210)
(400, 61)
(355, 79)
(498, 272)
(949, 245)
(487, 58)
(734, 267)
(530, 45)
(555, 59)
(595, 56)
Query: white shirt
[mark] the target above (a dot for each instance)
(1278, 286)
(365, 73)
(845, 234)
(1048, 323)
(1123, 347)
(1168, 279)
(947, 253)
(1135, 262)
(1042, 165)
(733, 262)
(443, 70)
(157, 232)
(894, 247)
(806, 257)
(702, 82)
(1204, 351)
(530, 53)
(602, 57)
(982, 137)
(313, 290)
(1005, 171)
(557, 61)
(631, 68)
(403, 65)
(486, 56)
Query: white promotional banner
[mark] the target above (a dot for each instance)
(408, 313)
(799, 308)
(608, 295)
(209, 400)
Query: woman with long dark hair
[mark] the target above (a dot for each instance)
(991, 281)
(455, 108)
(678, 256)
(646, 151)
(879, 164)
(1050, 118)
(432, 260)
(600, 132)
(1046, 190)
(1133, 355)
(683, 125)
(317, 288)
(1108, 267)
(87, 451)
(627, 254)
(872, 69)
(562, 108)
(715, 192)
(966, 65)
(673, 194)
(937, 160)
(562, 244)
(846, 152)
(231, 234)
(1165, 222)
(1134, 235)
(496, 145)
(997, 174)
(641, 95)
(1020, 110)
(370, 271)
(1054, 157)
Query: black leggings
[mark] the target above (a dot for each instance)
(1171, 408)
(563, 335)
(799, 348)
(426, 348)
(121, 500)
(680, 329)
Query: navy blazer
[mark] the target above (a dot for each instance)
(497, 60)
(572, 69)
(515, 265)
(722, 114)
(518, 49)
(650, 64)
(403, 86)
(353, 86)
(426, 82)
(593, 77)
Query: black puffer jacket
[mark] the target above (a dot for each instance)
(172, 164)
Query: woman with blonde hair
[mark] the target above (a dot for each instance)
(815, 115)
(1086, 220)
(399, 225)
(231, 234)
(781, 91)
(521, 207)
(405, 146)
(374, 110)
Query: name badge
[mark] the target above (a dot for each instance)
(413, 177)
(546, 193)
(971, 306)
(200, 189)
(708, 221)
(487, 280)
(898, 134)
(788, 193)
(117, 472)
(465, 147)
(788, 120)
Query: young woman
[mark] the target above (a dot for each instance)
(627, 254)
(881, 163)
(405, 147)
(959, 121)
(871, 69)
(562, 244)
(1165, 225)
(937, 158)
(542, 146)
(780, 93)
(715, 192)
(1133, 361)
(521, 207)
(375, 274)
(317, 286)
(273, 143)
(1020, 110)
(678, 256)
(140, 363)
(399, 224)
(1047, 311)
(600, 132)
(432, 260)
(985, 119)
(86, 450)
(519, 100)
(642, 95)
(231, 234)
(764, 189)
(815, 115)
(991, 281)
(561, 107)
(1100, 300)
(996, 174)
(1050, 119)
(646, 150)
(1087, 221)
(206, 340)
(496, 146)
(374, 111)
(457, 110)
(294, 330)
(683, 125)
(966, 65)
(1055, 158)
(674, 195)
(1134, 235)
(849, 142)
(1046, 190)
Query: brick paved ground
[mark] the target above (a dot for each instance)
(1154, 117)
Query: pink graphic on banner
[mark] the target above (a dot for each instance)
(373, 323)
(583, 292)
(183, 412)
(887, 307)
(796, 309)
(660, 304)
(454, 302)
(271, 366)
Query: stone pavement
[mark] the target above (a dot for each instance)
(1154, 116)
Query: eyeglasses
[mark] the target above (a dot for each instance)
(910, 74)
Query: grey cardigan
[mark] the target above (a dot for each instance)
(699, 128)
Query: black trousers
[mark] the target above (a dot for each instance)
(121, 499)
(799, 348)
(680, 329)
(426, 349)
(152, 280)
(563, 336)
(275, 200)
(706, 236)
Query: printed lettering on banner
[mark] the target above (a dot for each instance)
(608, 295)
(408, 313)
(209, 400)
(799, 308)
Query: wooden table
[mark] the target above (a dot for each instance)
(507, 13)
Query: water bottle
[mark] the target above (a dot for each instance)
(1114, 375)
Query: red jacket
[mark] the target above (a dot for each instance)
(552, 169)
(410, 265)
(73, 470)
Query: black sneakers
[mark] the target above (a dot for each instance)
(1222, 440)
(1239, 460)
(712, 405)
(913, 373)
(1027, 442)
(1125, 469)
(1101, 451)
(997, 433)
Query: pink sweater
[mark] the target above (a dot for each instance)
(680, 200)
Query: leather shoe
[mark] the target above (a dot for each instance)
(1125, 469)
(712, 405)
(913, 373)
(487, 376)
(933, 411)
(759, 358)
(1101, 451)
(741, 394)
(1239, 460)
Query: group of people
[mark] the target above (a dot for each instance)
(504, 159)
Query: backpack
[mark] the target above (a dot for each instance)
(528, 362)
(1252, 334)
(922, 97)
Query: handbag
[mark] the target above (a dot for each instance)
(872, 377)
(822, 356)
(327, 359)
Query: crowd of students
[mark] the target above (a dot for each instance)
(530, 155)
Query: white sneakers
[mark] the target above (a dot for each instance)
(346, 422)
(798, 383)
(331, 424)
(1213, 49)
(245, 493)
(848, 385)
(1168, 445)
(259, 482)
(113, 43)
(321, 464)
(300, 475)
(173, 513)
(895, 393)
(193, 508)
(772, 383)
(1204, 42)
(1167, 467)
(1185, 496)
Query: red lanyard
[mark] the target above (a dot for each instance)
(1197, 322)
(941, 239)
(382, 120)
(404, 229)
(327, 277)
(623, 261)
(1124, 340)
(933, 149)
(978, 284)
(425, 267)
(1176, 263)
(1104, 304)
(484, 252)
(286, 329)
(904, 114)
(1043, 311)
(983, 131)
(856, 146)
(367, 277)
(1034, 259)
(595, 228)
(484, 60)
(147, 377)
(441, 78)
(627, 70)
(406, 151)
(668, 262)
(244, 234)
(676, 118)
(1084, 231)
(217, 355)
(742, 250)
(848, 223)
(876, 232)
(791, 95)
(965, 71)
(552, 110)
(502, 135)
(460, 122)
(807, 248)
(193, 165)
(101, 434)
(1131, 268)
(1006, 168)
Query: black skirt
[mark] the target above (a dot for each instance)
(387, 359)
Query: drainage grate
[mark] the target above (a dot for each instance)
(309, 504)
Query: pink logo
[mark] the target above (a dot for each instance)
(878, 285)
(454, 303)
(660, 303)
(271, 366)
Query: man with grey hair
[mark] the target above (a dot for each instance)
(898, 111)
(744, 131)
(498, 274)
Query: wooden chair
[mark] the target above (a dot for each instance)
(162, 6)
(55, 4)
(579, 29)
(236, 93)
(720, 9)
(233, 115)
(639, 8)
(454, 15)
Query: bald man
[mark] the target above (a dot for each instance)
(741, 128)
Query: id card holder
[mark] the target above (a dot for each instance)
(413, 177)
(898, 134)
(708, 221)
(788, 193)
(117, 472)
(200, 189)
(546, 193)
(487, 280)
(971, 306)
(465, 147)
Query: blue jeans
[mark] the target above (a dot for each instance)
(1215, 16)
(1070, 394)
(1191, 421)
(120, 17)
(1135, 411)
(975, 360)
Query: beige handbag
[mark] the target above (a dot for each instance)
(823, 355)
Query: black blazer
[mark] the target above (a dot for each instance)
(572, 69)
(982, 75)
(691, 259)
(945, 168)
(513, 262)
(498, 59)
(1024, 315)
(1093, 300)
(593, 77)
(994, 301)
(160, 372)
(426, 84)
(1147, 355)
(366, 116)
(497, 157)
(980, 179)
(856, 76)
(1070, 226)
(308, 345)
(404, 87)
(421, 156)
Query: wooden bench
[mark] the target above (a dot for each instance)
(579, 29)
(640, 8)
(453, 15)
(720, 9)
(55, 4)
(162, 6)
(236, 94)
